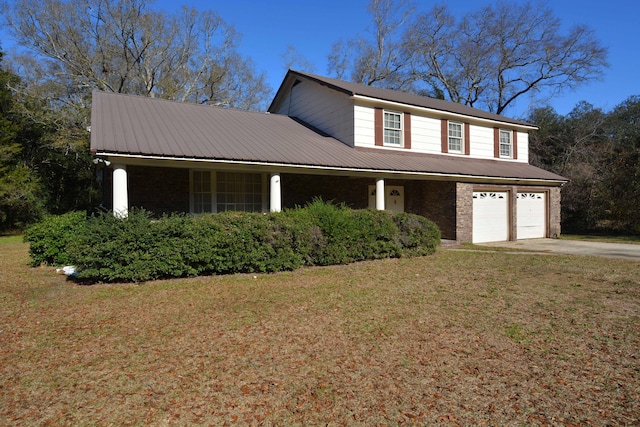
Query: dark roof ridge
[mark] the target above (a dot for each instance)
(351, 88)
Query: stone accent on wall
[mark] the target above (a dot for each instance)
(159, 190)
(513, 207)
(464, 212)
(554, 212)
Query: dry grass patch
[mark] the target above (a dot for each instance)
(459, 338)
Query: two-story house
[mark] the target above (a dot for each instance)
(464, 168)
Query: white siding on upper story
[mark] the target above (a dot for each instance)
(425, 134)
(481, 142)
(425, 131)
(523, 147)
(364, 126)
(326, 109)
(426, 137)
(335, 113)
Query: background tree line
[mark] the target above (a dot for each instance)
(490, 58)
(599, 152)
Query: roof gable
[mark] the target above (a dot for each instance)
(357, 89)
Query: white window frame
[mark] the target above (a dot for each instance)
(459, 139)
(505, 139)
(397, 133)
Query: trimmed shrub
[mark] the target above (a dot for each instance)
(49, 238)
(416, 234)
(134, 249)
(104, 248)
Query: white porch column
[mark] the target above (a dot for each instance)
(275, 193)
(120, 191)
(380, 194)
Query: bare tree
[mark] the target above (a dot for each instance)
(494, 56)
(378, 61)
(123, 46)
(293, 59)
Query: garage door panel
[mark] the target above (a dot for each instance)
(532, 215)
(490, 216)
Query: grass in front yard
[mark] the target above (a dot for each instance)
(458, 338)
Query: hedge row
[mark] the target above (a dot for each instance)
(107, 249)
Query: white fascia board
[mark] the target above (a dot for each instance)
(461, 117)
(143, 160)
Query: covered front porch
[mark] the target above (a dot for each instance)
(196, 187)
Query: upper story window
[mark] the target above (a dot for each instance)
(392, 128)
(455, 137)
(506, 144)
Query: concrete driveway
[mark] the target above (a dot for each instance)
(574, 247)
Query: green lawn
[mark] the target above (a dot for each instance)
(458, 338)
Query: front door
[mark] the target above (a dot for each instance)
(393, 198)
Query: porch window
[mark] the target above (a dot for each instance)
(505, 143)
(392, 128)
(455, 137)
(239, 192)
(201, 196)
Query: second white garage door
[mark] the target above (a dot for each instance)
(532, 214)
(490, 216)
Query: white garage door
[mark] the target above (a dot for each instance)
(490, 216)
(532, 215)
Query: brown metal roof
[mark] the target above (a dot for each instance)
(353, 89)
(132, 125)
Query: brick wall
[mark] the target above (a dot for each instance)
(435, 200)
(432, 199)
(159, 190)
(298, 190)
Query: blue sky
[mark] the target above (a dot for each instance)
(311, 27)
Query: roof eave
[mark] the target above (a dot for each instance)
(128, 158)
